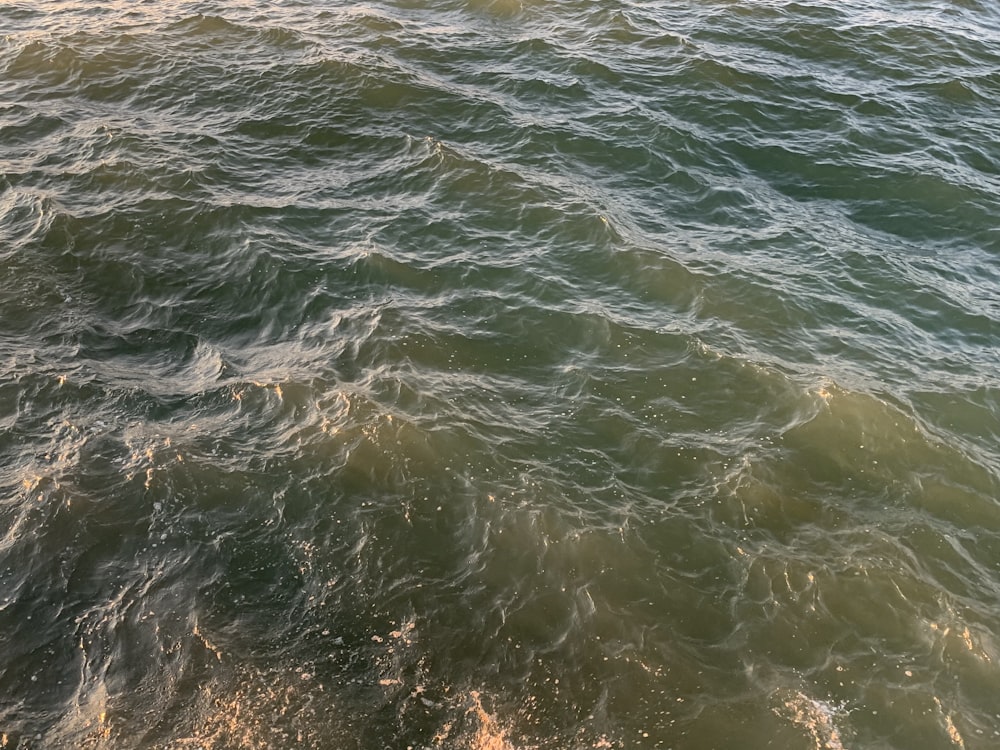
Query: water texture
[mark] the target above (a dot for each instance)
(500, 374)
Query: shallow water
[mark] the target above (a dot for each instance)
(500, 375)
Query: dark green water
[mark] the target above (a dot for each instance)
(495, 375)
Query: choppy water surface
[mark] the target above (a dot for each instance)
(500, 375)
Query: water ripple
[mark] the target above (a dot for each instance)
(501, 374)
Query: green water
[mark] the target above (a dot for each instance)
(500, 375)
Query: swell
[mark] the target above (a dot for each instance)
(512, 374)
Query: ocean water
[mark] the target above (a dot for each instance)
(496, 375)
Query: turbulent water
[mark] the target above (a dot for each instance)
(498, 375)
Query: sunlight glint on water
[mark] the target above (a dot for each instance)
(500, 375)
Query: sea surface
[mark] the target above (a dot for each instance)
(500, 375)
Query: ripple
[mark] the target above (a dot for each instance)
(498, 375)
